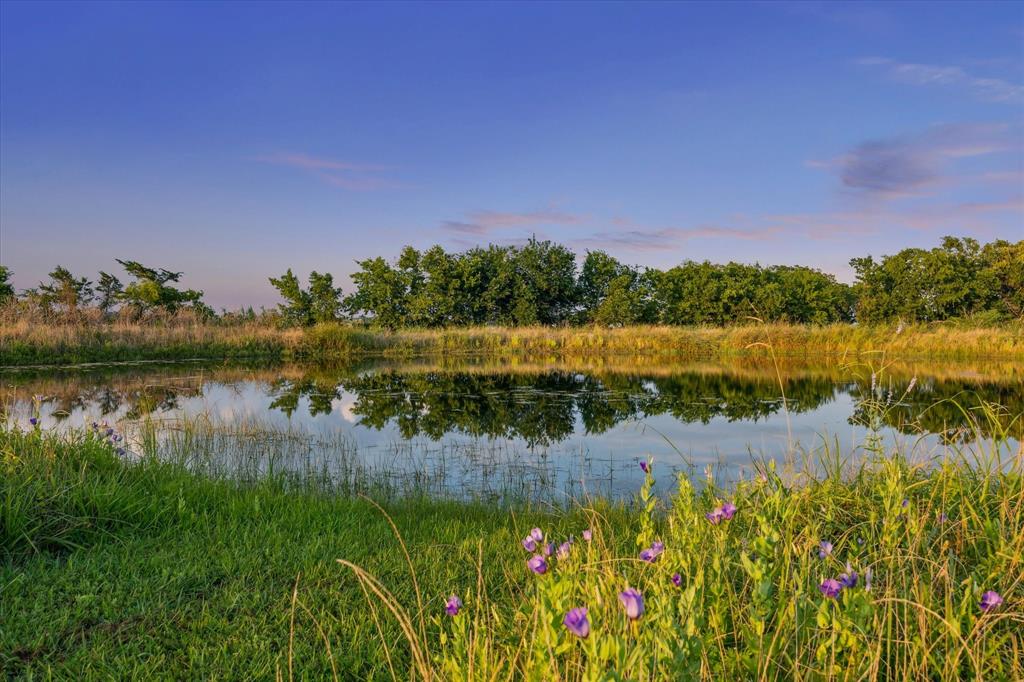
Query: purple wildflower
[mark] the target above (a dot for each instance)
(633, 602)
(548, 549)
(110, 432)
(677, 580)
(824, 549)
(121, 452)
(453, 605)
(990, 600)
(537, 564)
(714, 516)
(645, 466)
(529, 544)
(652, 552)
(563, 551)
(537, 534)
(848, 579)
(728, 510)
(831, 588)
(576, 622)
(34, 421)
(942, 517)
(588, 535)
(905, 503)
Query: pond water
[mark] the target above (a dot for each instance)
(483, 426)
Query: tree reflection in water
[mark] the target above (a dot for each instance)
(539, 406)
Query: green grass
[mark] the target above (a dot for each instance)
(145, 570)
(35, 343)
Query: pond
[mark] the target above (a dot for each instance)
(490, 427)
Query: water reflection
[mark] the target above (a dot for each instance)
(542, 409)
(537, 406)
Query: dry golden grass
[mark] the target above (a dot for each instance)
(25, 341)
(832, 340)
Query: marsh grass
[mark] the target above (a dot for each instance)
(248, 450)
(29, 342)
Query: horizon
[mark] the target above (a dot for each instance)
(233, 142)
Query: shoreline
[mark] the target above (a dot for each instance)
(48, 345)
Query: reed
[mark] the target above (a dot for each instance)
(28, 342)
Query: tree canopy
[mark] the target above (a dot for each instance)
(544, 283)
(959, 278)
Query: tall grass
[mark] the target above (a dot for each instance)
(920, 549)
(25, 341)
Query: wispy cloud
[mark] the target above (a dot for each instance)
(866, 17)
(359, 183)
(357, 177)
(463, 228)
(654, 239)
(307, 162)
(988, 89)
(483, 222)
(970, 217)
(909, 165)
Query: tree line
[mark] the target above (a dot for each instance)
(148, 289)
(540, 283)
(543, 283)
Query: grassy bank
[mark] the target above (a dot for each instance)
(143, 569)
(30, 343)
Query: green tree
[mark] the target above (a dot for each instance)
(1003, 275)
(810, 296)
(442, 296)
(6, 288)
(598, 271)
(543, 283)
(382, 292)
(65, 290)
(630, 299)
(302, 308)
(324, 297)
(297, 310)
(489, 276)
(152, 290)
(108, 291)
(614, 294)
(919, 285)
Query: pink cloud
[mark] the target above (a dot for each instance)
(359, 183)
(653, 239)
(307, 162)
(988, 89)
(357, 177)
(483, 222)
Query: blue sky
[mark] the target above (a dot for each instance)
(232, 141)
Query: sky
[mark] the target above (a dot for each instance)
(232, 141)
